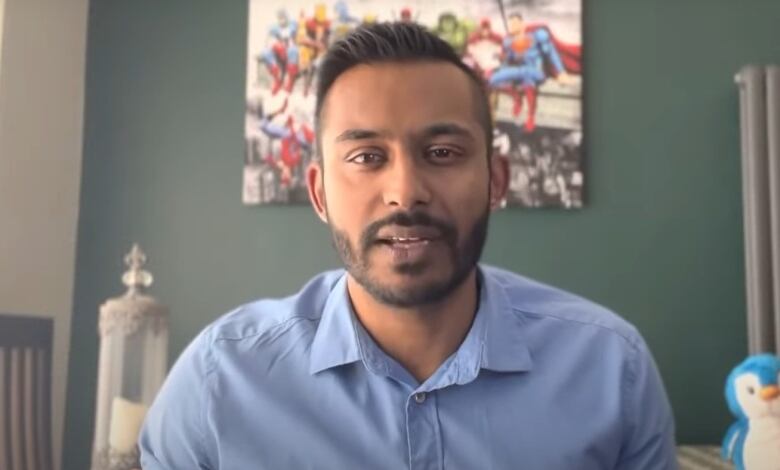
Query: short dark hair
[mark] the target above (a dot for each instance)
(395, 42)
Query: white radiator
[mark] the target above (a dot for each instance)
(759, 91)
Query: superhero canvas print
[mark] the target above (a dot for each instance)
(528, 51)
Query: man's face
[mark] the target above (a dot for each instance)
(404, 181)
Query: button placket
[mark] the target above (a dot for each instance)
(424, 435)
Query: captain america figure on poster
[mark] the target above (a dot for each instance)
(281, 56)
(531, 55)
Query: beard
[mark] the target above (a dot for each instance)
(463, 256)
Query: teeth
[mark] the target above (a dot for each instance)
(404, 239)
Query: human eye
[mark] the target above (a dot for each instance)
(366, 158)
(442, 154)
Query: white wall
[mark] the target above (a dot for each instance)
(41, 118)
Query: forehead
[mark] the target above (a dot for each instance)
(400, 97)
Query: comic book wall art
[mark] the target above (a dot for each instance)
(528, 51)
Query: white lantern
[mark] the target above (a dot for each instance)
(132, 366)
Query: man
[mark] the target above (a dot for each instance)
(415, 357)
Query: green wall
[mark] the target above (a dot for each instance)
(660, 240)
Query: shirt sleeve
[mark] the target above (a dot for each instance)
(649, 441)
(175, 434)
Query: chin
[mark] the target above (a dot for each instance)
(408, 296)
(409, 290)
(426, 271)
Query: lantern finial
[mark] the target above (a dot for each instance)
(136, 278)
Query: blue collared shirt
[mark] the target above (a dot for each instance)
(543, 380)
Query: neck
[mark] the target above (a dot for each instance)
(420, 338)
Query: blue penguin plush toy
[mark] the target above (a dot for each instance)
(753, 396)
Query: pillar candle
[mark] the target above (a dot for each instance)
(126, 420)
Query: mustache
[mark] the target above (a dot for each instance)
(407, 219)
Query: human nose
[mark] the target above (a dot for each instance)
(405, 185)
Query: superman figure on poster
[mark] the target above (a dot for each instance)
(531, 54)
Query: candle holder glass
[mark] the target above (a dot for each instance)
(132, 365)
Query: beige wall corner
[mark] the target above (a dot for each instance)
(2, 17)
(42, 68)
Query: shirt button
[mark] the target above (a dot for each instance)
(420, 397)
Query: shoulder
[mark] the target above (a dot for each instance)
(535, 300)
(540, 32)
(274, 315)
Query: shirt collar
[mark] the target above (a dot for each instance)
(335, 342)
(496, 340)
(504, 344)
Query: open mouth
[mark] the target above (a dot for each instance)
(409, 245)
(408, 236)
(405, 241)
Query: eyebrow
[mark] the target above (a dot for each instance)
(357, 134)
(434, 130)
(445, 128)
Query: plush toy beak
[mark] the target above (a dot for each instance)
(770, 393)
